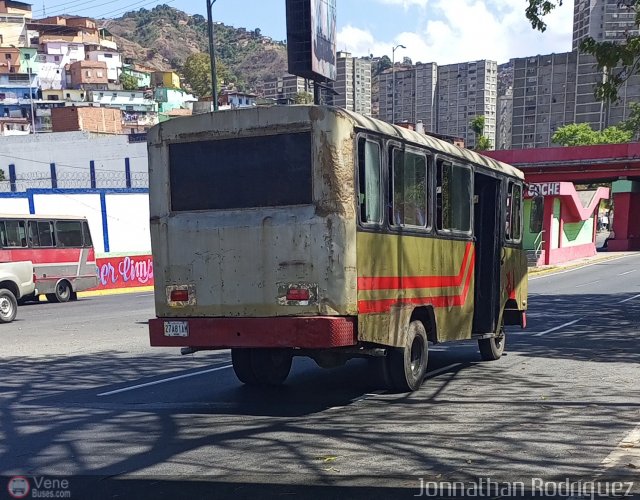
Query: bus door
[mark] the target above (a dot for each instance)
(488, 241)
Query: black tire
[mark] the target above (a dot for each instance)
(492, 349)
(262, 367)
(8, 306)
(62, 294)
(241, 359)
(408, 365)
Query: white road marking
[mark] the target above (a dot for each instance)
(553, 273)
(441, 370)
(557, 328)
(628, 272)
(170, 379)
(627, 453)
(589, 283)
(630, 298)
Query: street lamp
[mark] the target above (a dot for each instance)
(393, 81)
(212, 56)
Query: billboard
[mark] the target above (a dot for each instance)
(311, 38)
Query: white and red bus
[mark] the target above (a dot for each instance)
(60, 248)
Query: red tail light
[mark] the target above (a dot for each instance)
(34, 277)
(298, 294)
(180, 295)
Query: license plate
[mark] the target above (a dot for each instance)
(176, 329)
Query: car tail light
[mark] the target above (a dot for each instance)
(180, 295)
(298, 294)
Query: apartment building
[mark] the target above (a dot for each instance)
(544, 98)
(352, 84)
(286, 88)
(464, 91)
(603, 20)
(413, 88)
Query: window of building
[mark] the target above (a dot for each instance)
(369, 181)
(88, 73)
(7, 56)
(513, 221)
(453, 197)
(408, 188)
(99, 73)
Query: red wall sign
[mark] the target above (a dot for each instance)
(125, 272)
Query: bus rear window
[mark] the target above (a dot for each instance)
(265, 171)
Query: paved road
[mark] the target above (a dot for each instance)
(82, 394)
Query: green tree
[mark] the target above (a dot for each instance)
(483, 143)
(303, 98)
(618, 60)
(383, 63)
(197, 74)
(2, 177)
(581, 134)
(129, 82)
(632, 123)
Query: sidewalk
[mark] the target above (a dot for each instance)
(574, 264)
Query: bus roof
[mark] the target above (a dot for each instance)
(42, 216)
(198, 127)
(468, 155)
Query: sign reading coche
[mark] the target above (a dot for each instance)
(545, 189)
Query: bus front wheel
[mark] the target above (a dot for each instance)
(262, 367)
(408, 365)
(492, 349)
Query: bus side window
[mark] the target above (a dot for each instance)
(3, 234)
(453, 197)
(513, 225)
(69, 234)
(34, 238)
(409, 178)
(370, 186)
(45, 233)
(16, 233)
(87, 234)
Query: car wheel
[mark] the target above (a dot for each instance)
(8, 306)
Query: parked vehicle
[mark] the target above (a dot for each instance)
(60, 248)
(17, 280)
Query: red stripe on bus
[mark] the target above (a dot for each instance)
(384, 305)
(411, 282)
(45, 255)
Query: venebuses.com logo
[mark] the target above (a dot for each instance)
(38, 487)
(18, 487)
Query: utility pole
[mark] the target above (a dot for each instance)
(212, 56)
(393, 81)
(33, 118)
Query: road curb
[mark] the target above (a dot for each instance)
(583, 263)
(115, 291)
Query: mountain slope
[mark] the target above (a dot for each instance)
(164, 37)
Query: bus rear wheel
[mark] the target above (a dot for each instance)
(408, 365)
(62, 294)
(261, 367)
(492, 349)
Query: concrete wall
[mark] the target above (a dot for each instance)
(72, 154)
(118, 218)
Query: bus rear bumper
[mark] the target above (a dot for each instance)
(318, 332)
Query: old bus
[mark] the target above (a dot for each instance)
(60, 248)
(313, 231)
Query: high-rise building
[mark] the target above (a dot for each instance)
(603, 20)
(505, 120)
(353, 84)
(544, 98)
(413, 89)
(286, 88)
(467, 90)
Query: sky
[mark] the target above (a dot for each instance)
(441, 31)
